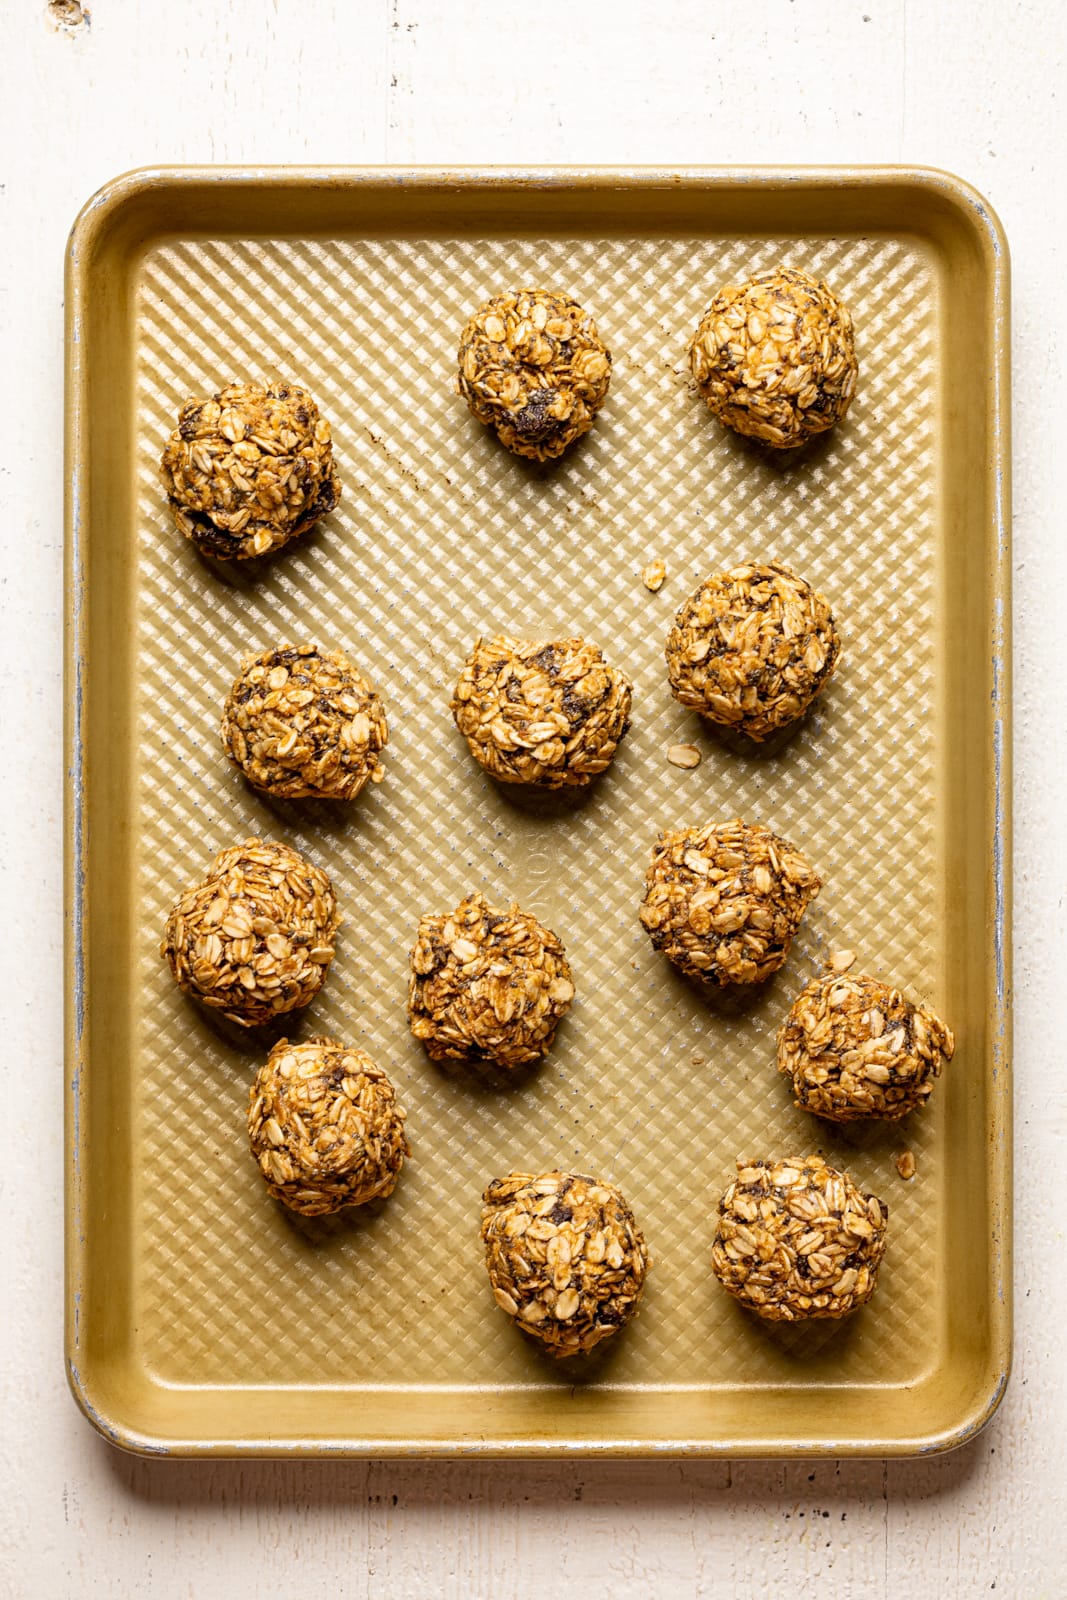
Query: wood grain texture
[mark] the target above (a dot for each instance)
(972, 89)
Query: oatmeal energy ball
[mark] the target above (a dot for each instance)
(533, 368)
(855, 1047)
(774, 357)
(302, 721)
(751, 649)
(255, 939)
(548, 714)
(487, 984)
(565, 1257)
(249, 469)
(797, 1239)
(723, 902)
(325, 1127)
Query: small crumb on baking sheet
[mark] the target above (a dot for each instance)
(683, 755)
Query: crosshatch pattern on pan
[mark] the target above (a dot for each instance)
(440, 535)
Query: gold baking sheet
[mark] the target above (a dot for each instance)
(203, 1318)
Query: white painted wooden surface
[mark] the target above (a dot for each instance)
(975, 87)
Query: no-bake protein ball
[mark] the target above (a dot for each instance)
(751, 649)
(565, 1257)
(533, 368)
(300, 721)
(325, 1127)
(724, 901)
(774, 357)
(550, 714)
(797, 1239)
(487, 984)
(249, 469)
(856, 1047)
(256, 938)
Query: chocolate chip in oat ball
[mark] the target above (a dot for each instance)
(752, 648)
(565, 1256)
(855, 1047)
(796, 1239)
(487, 984)
(723, 902)
(300, 721)
(249, 469)
(255, 938)
(545, 713)
(533, 368)
(325, 1127)
(774, 358)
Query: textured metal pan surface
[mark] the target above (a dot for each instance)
(202, 1315)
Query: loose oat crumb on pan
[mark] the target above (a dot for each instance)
(855, 1047)
(256, 937)
(797, 1239)
(653, 575)
(683, 755)
(751, 648)
(487, 984)
(249, 468)
(774, 358)
(565, 1256)
(549, 713)
(534, 369)
(300, 721)
(325, 1127)
(723, 902)
(906, 1165)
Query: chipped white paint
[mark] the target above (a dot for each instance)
(92, 90)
